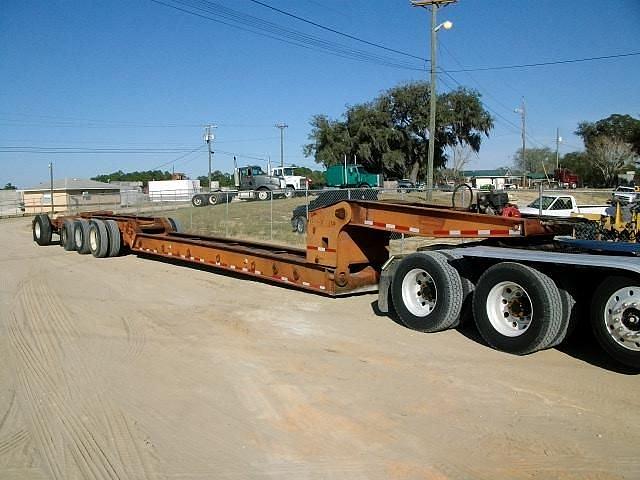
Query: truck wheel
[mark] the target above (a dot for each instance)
(115, 241)
(212, 199)
(66, 235)
(427, 292)
(570, 313)
(197, 200)
(175, 224)
(81, 236)
(41, 228)
(300, 225)
(263, 194)
(615, 319)
(98, 239)
(289, 192)
(517, 309)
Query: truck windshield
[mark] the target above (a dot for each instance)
(256, 171)
(288, 171)
(546, 201)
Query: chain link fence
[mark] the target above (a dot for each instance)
(283, 220)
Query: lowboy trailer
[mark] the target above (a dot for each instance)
(526, 288)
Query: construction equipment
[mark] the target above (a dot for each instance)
(524, 287)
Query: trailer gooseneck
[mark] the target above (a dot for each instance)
(524, 290)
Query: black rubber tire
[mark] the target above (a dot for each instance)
(198, 200)
(300, 224)
(115, 240)
(449, 292)
(175, 224)
(461, 188)
(81, 236)
(41, 229)
(544, 296)
(600, 328)
(98, 239)
(570, 313)
(66, 235)
(263, 194)
(212, 199)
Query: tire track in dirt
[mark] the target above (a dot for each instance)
(52, 372)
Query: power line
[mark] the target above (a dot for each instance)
(200, 147)
(544, 64)
(227, 16)
(337, 32)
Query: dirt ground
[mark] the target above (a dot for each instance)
(129, 368)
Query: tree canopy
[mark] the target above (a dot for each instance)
(390, 134)
(623, 128)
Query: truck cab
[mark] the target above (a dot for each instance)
(297, 182)
(251, 181)
(351, 176)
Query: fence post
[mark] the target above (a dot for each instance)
(271, 221)
(226, 215)
(540, 188)
(306, 196)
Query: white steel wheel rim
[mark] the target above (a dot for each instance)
(77, 235)
(37, 229)
(419, 292)
(197, 201)
(93, 240)
(509, 309)
(262, 195)
(622, 317)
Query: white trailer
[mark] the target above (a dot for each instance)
(173, 190)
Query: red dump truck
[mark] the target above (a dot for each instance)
(525, 288)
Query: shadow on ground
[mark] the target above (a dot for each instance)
(581, 345)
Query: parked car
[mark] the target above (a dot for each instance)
(626, 194)
(328, 197)
(405, 184)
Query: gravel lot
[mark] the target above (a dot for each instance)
(129, 368)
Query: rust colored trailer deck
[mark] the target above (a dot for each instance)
(347, 242)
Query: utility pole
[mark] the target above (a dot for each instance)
(281, 126)
(434, 4)
(558, 140)
(523, 115)
(208, 137)
(51, 186)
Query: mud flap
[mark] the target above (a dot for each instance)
(384, 286)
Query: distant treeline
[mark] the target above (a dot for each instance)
(143, 177)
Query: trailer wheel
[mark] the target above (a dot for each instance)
(212, 199)
(197, 200)
(98, 239)
(66, 235)
(427, 292)
(615, 319)
(517, 309)
(263, 194)
(115, 241)
(300, 225)
(81, 236)
(41, 227)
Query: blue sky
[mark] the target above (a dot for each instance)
(140, 79)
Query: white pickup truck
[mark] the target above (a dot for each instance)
(557, 205)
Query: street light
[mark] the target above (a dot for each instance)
(434, 4)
